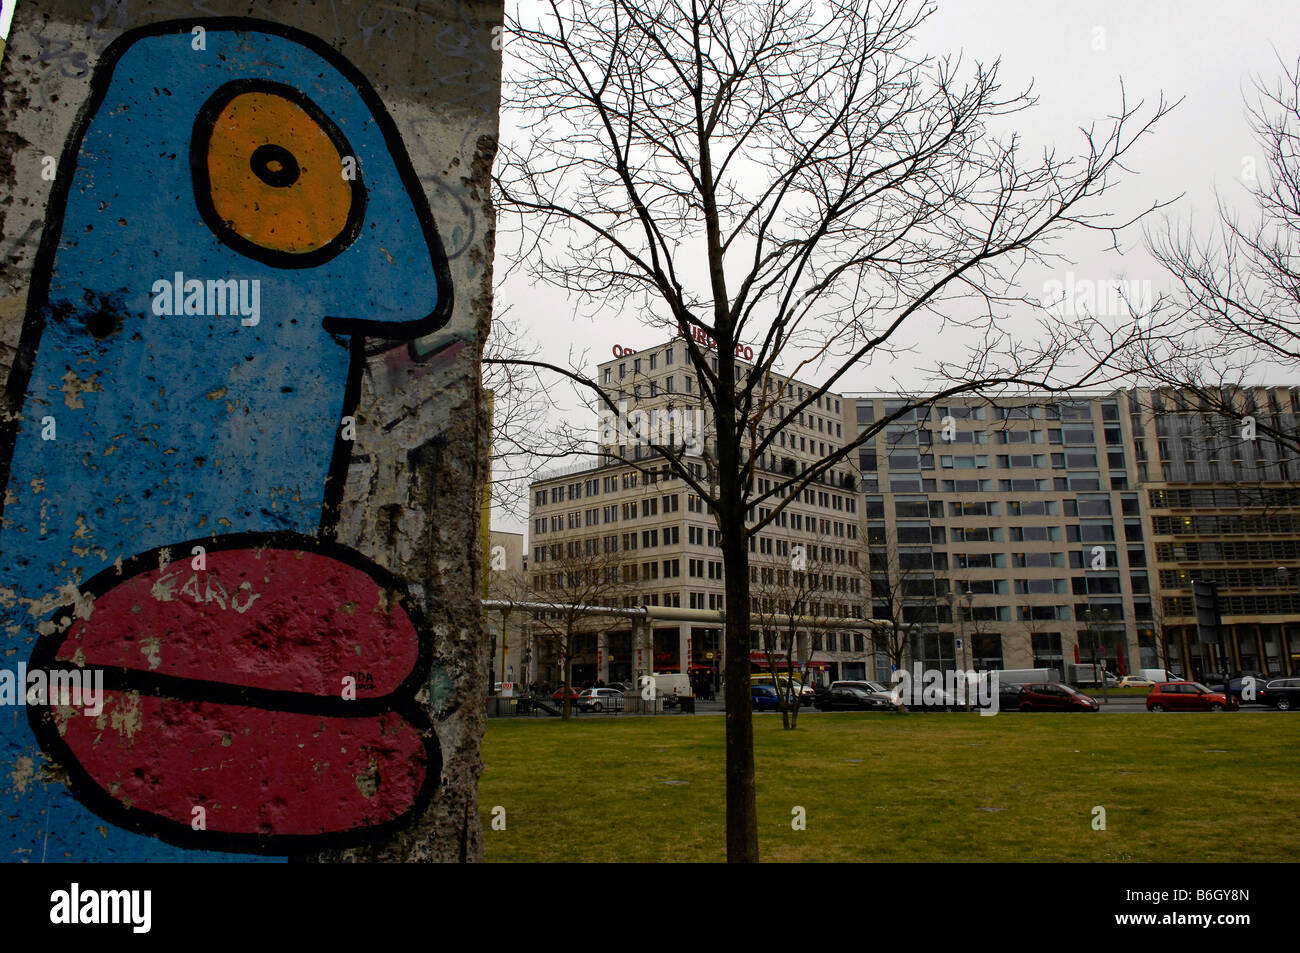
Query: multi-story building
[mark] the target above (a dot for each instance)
(1007, 535)
(1223, 504)
(664, 539)
(1032, 532)
(1041, 531)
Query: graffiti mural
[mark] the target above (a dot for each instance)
(234, 224)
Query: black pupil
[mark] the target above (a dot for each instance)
(275, 165)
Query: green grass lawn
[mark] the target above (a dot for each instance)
(914, 787)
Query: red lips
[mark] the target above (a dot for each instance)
(273, 688)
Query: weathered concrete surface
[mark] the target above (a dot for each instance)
(246, 275)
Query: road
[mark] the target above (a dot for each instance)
(1129, 704)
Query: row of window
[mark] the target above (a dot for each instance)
(1035, 461)
(914, 533)
(647, 507)
(934, 509)
(1061, 410)
(1224, 524)
(914, 483)
(1285, 603)
(1225, 497)
(891, 438)
(1229, 551)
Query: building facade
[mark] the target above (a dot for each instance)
(1037, 532)
(1223, 504)
(661, 535)
(1008, 535)
(1033, 532)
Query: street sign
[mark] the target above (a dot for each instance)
(1205, 595)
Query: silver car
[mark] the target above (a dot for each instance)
(600, 699)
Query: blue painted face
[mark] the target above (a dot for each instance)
(149, 417)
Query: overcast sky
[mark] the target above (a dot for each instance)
(1075, 55)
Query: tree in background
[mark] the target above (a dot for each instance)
(1237, 308)
(902, 591)
(791, 600)
(582, 576)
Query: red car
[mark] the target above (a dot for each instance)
(558, 694)
(1188, 696)
(1053, 696)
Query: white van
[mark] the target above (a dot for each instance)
(668, 684)
(1027, 676)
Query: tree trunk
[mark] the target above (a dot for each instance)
(567, 686)
(742, 807)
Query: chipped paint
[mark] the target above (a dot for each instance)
(23, 772)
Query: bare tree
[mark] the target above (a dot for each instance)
(793, 175)
(584, 575)
(1238, 303)
(525, 438)
(789, 603)
(1034, 626)
(1161, 631)
(901, 593)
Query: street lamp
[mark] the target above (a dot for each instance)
(1105, 686)
(1095, 621)
(970, 607)
(969, 598)
(1283, 581)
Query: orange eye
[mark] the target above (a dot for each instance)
(268, 170)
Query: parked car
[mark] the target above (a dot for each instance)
(600, 699)
(1054, 696)
(1134, 681)
(807, 694)
(1257, 681)
(1236, 686)
(623, 687)
(558, 694)
(866, 685)
(853, 698)
(1282, 693)
(1008, 696)
(763, 698)
(1187, 696)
